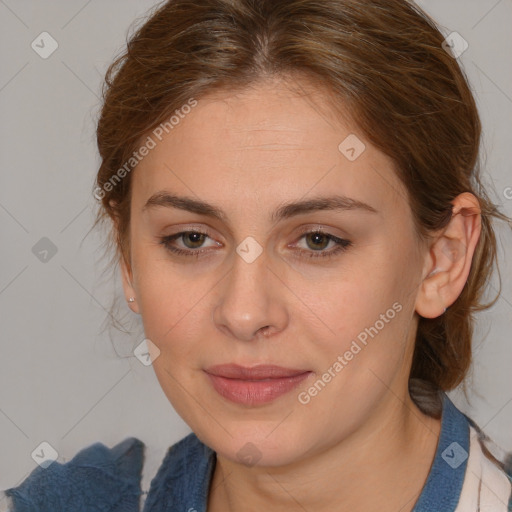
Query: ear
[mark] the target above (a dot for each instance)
(449, 257)
(127, 279)
(126, 271)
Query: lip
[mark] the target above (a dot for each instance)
(254, 385)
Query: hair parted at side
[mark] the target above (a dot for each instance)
(382, 60)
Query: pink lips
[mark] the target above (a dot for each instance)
(256, 385)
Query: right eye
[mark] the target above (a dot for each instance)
(191, 240)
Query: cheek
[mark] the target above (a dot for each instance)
(357, 367)
(347, 303)
(365, 314)
(170, 300)
(172, 318)
(370, 327)
(173, 314)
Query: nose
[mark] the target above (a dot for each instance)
(250, 301)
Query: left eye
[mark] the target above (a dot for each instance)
(318, 241)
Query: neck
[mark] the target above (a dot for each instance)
(381, 466)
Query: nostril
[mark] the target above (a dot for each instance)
(265, 331)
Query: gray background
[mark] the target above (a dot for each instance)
(61, 378)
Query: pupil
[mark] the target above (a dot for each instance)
(316, 237)
(195, 238)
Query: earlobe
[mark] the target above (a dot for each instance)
(449, 258)
(126, 270)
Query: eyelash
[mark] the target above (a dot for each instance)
(342, 245)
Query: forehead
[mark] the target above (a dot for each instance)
(270, 116)
(272, 140)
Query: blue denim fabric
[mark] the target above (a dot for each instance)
(444, 483)
(99, 479)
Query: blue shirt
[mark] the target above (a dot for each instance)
(108, 479)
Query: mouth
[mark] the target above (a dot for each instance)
(256, 385)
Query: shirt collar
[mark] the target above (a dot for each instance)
(444, 482)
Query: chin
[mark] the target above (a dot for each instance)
(253, 445)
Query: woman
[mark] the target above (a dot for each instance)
(296, 208)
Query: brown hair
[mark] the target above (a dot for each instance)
(381, 60)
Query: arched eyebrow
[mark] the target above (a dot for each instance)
(336, 202)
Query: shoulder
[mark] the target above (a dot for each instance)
(488, 477)
(467, 474)
(96, 474)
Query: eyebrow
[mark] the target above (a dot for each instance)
(334, 202)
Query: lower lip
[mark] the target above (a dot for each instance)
(255, 392)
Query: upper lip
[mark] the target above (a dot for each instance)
(258, 372)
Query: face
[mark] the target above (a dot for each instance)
(276, 268)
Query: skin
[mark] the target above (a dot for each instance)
(361, 443)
